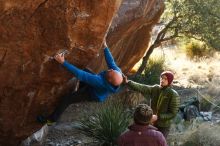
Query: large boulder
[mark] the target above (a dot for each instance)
(32, 31)
(130, 32)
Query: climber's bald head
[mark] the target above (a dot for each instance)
(114, 77)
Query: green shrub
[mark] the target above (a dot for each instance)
(106, 124)
(196, 50)
(204, 104)
(151, 74)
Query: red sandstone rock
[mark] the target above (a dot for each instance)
(31, 31)
(129, 34)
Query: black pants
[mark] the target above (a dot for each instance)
(82, 94)
(164, 130)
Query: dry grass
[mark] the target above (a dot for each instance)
(195, 133)
(192, 74)
(189, 73)
(203, 74)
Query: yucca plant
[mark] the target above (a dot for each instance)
(106, 124)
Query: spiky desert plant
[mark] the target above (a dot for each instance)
(106, 124)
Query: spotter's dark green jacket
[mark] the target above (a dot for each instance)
(165, 102)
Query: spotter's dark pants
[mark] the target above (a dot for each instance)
(164, 130)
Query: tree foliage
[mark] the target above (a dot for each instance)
(198, 19)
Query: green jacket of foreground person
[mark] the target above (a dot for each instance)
(169, 105)
(165, 101)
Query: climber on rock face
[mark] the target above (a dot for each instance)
(93, 87)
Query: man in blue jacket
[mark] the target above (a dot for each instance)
(93, 87)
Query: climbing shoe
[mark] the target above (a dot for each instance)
(43, 120)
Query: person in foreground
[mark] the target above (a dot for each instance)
(93, 87)
(165, 101)
(141, 133)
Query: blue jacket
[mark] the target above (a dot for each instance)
(99, 86)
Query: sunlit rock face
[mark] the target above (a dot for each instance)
(33, 31)
(129, 34)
